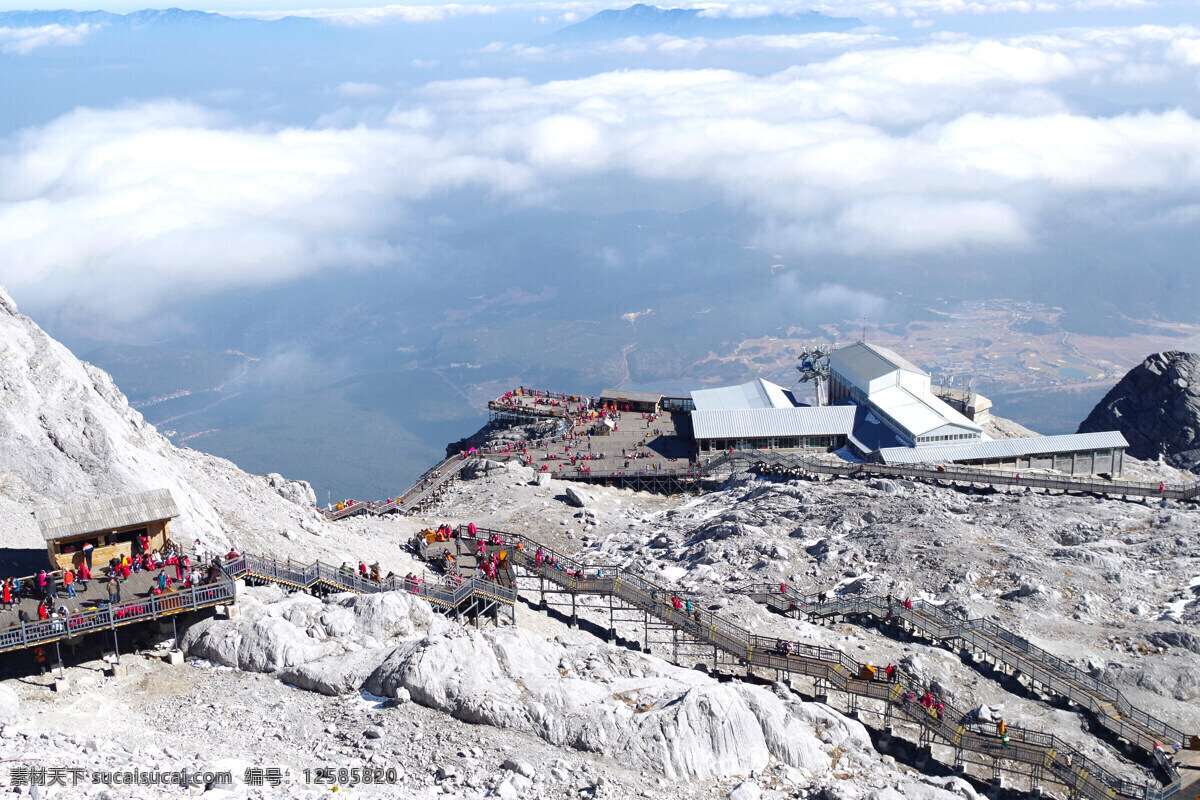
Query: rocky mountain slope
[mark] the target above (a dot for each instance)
(546, 711)
(68, 434)
(1157, 407)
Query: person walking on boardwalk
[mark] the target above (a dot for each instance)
(69, 581)
(114, 590)
(88, 547)
(8, 594)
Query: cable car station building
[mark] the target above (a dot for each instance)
(883, 409)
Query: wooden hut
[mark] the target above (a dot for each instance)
(113, 526)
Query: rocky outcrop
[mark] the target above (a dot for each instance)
(577, 497)
(1157, 408)
(634, 708)
(313, 643)
(497, 433)
(69, 434)
(10, 706)
(299, 492)
(597, 698)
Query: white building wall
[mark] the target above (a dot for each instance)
(917, 384)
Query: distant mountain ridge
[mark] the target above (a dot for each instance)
(172, 17)
(645, 20)
(1157, 408)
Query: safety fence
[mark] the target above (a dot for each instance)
(1033, 749)
(104, 616)
(1108, 706)
(450, 595)
(773, 459)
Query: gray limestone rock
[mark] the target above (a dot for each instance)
(577, 496)
(299, 492)
(1156, 406)
(10, 706)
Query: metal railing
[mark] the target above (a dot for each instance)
(104, 616)
(993, 477)
(1074, 769)
(308, 576)
(1065, 679)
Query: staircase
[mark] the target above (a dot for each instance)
(1027, 752)
(470, 597)
(1103, 701)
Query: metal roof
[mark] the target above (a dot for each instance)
(1004, 448)
(633, 397)
(766, 423)
(756, 394)
(106, 515)
(918, 414)
(870, 432)
(866, 362)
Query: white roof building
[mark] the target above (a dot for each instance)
(756, 394)
(1006, 449)
(766, 423)
(899, 394)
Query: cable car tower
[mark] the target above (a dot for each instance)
(814, 367)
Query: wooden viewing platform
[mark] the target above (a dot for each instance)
(90, 611)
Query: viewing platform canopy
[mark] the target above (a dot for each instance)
(642, 402)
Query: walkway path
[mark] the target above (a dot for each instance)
(783, 462)
(94, 615)
(1103, 701)
(1027, 753)
(470, 597)
(426, 486)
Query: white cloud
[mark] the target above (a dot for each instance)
(158, 199)
(358, 90)
(829, 299)
(21, 41)
(948, 145)
(924, 224)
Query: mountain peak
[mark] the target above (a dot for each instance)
(1157, 408)
(646, 20)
